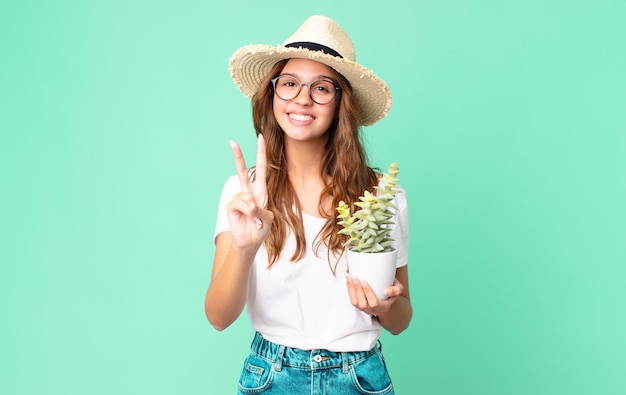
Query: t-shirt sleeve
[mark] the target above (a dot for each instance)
(231, 187)
(400, 231)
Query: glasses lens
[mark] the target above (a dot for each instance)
(287, 87)
(322, 91)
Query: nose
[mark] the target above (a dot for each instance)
(304, 95)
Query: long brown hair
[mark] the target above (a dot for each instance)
(347, 169)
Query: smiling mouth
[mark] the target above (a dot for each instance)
(301, 117)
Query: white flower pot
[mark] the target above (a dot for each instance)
(377, 268)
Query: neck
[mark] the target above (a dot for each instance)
(304, 161)
(304, 166)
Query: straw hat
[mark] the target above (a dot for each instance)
(322, 39)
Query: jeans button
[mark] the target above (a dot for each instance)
(317, 358)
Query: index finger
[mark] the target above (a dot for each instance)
(240, 165)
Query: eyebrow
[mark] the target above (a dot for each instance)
(315, 78)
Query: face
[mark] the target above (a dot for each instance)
(301, 118)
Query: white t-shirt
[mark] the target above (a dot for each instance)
(302, 304)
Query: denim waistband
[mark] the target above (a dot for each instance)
(307, 359)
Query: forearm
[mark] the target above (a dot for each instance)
(397, 319)
(228, 291)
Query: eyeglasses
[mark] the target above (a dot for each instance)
(287, 87)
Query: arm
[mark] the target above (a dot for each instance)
(395, 313)
(235, 250)
(228, 291)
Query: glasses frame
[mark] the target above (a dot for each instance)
(308, 85)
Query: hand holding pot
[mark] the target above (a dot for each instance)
(363, 297)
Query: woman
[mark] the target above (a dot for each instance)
(278, 252)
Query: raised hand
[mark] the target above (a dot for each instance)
(249, 220)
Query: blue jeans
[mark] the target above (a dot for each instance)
(272, 369)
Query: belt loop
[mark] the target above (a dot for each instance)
(257, 341)
(345, 363)
(278, 363)
(380, 345)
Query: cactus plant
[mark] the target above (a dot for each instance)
(367, 226)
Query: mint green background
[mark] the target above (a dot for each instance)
(509, 125)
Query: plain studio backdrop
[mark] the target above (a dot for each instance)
(509, 126)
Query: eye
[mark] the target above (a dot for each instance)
(288, 82)
(323, 86)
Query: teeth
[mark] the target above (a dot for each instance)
(299, 117)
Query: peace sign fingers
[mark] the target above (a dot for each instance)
(251, 202)
(258, 188)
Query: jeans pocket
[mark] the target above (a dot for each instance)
(370, 375)
(256, 375)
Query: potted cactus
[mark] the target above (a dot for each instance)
(371, 256)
